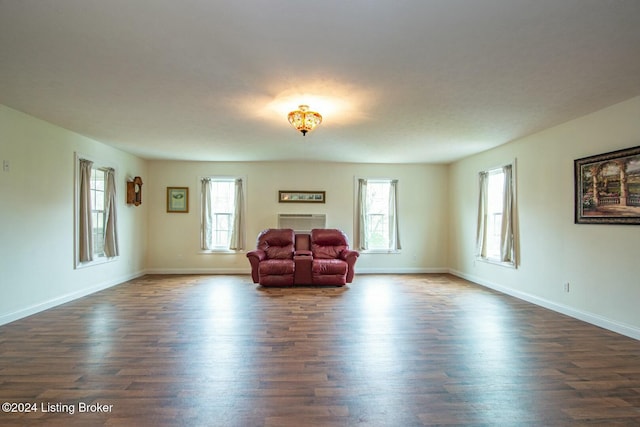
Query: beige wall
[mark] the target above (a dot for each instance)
(174, 239)
(437, 207)
(599, 261)
(37, 222)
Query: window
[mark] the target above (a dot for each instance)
(96, 228)
(222, 214)
(97, 203)
(495, 234)
(377, 222)
(377, 215)
(222, 207)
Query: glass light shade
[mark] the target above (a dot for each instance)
(304, 120)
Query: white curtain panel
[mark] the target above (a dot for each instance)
(206, 239)
(394, 233)
(361, 224)
(507, 252)
(111, 228)
(238, 233)
(85, 237)
(481, 235)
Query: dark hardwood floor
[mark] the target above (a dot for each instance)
(387, 350)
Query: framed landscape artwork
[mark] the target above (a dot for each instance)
(607, 188)
(301, 196)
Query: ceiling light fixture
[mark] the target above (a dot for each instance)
(304, 120)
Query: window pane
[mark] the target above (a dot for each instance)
(223, 207)
(378, 231)
(378, 214)
(98, 197)
(494, 223)
(223, 195)
(98, 177)
(99, 182)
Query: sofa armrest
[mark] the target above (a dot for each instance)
(255, 257)
(350, 258)
(349, 255)
(302, 253)
(259, 254)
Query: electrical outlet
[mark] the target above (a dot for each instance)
(566, 287)
(6, 166)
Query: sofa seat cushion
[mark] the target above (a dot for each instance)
(327, 252)
(323, 267)
(331, 272)
(276, 267)
(276, 272)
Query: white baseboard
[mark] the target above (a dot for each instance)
(410, 270)
(63, 299)
(246, 271)
(594, 319)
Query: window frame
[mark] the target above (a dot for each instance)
(230, 178)
(493, 228)
(388, 249)
(227, 215)
(95, 212)
(493, 259)
(98, 164)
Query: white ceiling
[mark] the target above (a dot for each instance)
(396, 80)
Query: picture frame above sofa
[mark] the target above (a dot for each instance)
(288, 196)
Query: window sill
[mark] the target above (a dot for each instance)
(220, 252)
(496, 262)
(98, 261)
(380, 251)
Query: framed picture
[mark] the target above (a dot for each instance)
(607, 188)
(301, 196)
(178, 199)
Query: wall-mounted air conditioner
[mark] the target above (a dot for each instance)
(302, 223)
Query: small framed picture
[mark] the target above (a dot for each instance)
(178, 199)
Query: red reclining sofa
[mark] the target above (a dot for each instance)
(285, 258)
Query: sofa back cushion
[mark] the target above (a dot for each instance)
(328, 243)
(277, 243)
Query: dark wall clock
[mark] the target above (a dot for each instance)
(134, 191)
